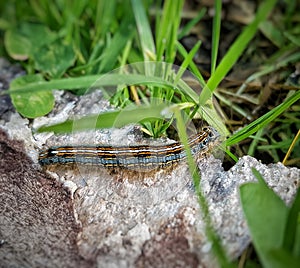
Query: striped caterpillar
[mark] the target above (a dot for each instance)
(135, 156)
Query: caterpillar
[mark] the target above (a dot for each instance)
(133, 156)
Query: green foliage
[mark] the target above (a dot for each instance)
(60, 46)
(272, 224)
(116, 83)
(235, 50)
(24, 40)
(53, 60)
(73, 45)
(67, 37)
(166, 32)
(27, 102)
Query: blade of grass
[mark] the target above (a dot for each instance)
(192, 65)
(187, 60)
(91, 81)
(71, 12)
(210, 115)
(166, 32)
(108, 119)
(236, 50)
(217, 248)
(231, 155)
(187, 27)
(233, 106)
(144, 30)
(216, 34)
(255, 141)
(263, 120)
(105, 16)
(171, 47)
(126, 52)
(118, 43)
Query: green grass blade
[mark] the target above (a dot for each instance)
(216, 34)
(119, 41)
(271, 67)
(105, 16)
(166, 35)
(218, 250)
(255, 141)
(108, 119)
(193, 67)
(236, 50)
(144, 30)
(90, 81)
(189, 25)
(187, 61)
(262, 121)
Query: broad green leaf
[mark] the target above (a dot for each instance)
(54, 59)
(291, 241)
(297, 239)
(266, 216)
(21, 41)
(31, 104)
(281, 258)
(17, 45)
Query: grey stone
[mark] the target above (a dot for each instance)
(116, 218)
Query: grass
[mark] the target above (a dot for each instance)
(74, 46)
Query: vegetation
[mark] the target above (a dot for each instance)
(75, 45)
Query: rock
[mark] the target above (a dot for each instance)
(92, 217)
(37, 223)
(126, 218)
